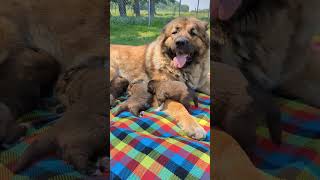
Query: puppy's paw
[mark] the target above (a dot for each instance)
(193, 130)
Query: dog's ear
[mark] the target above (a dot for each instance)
(205, 25)
(163, 34)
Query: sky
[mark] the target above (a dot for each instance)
(203, 4)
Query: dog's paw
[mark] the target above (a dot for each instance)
(193, 130)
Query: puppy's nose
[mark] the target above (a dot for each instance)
(181, 41)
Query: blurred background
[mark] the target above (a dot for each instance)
(136, 22)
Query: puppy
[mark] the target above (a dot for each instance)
(238, 105)
(138, 94)
(174, 90)
(80, 135)
(118, 86)
(23, 88)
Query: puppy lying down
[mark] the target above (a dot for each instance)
(118, 86)
(174, 90)
(80, 135)
(238, 106)
(27, 79)
(138, 93)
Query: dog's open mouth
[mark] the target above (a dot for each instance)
(180, 60)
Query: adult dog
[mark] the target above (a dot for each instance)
(181, 53)
(271, 41)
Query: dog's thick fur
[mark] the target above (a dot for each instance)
(270, 40)
(81, 133)
(154, 61)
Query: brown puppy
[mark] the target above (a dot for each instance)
(139, 99)
(26, 78)
(272, 42)
(117, 87)
(238, 106)
(180, 53)
(174, 90)
(81, 133)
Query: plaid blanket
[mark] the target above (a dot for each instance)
(49, 167)
(154, 147)
(299, 155)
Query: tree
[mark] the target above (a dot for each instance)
(122, 8)
(152, 8)
(136, 7)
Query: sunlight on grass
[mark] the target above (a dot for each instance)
(147, 34)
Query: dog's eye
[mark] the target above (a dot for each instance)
(174, 32)
(193, 32)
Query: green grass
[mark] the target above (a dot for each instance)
(135, 30)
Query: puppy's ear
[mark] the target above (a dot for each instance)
(151, 88)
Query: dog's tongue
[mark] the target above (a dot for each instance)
(179, 61)
(224, 9)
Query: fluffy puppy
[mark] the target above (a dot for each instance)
(237, 106)
(175, 90)
(118, 86)
(80, 135)
(139, 99)
(26, 79)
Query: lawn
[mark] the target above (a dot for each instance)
(135, 30)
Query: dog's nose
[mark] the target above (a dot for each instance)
(181, 41)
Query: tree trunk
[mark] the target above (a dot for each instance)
(137, 7)
(122, 8)
(152, 8)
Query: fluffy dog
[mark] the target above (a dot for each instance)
(180, 53)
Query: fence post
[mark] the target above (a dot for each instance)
(197, 8)
(179, 7)
(149, 12)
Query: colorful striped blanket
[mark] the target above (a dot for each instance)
(49, 167)
(154, 147)
(299, 155)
